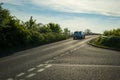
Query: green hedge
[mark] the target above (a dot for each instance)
(15, 33)
(112, 41)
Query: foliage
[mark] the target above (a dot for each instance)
(67, 33)
(15, 33)
(114, 32)
(44, 29)
(110, 39)
(54, 27)
(88, 32)
(31, 24)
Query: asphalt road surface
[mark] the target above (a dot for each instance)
(64, 60)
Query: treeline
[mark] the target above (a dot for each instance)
(16, 33)
(110, 38)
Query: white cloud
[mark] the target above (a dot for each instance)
(73, 24)
(105, 7)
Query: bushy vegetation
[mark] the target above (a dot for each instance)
(114, 32)
(110, 39)
(16, 33)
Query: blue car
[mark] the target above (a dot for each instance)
(78, 35)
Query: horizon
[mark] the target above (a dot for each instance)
(96, 15)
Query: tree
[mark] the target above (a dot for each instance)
(66, 32)
(88, 32)
(54, 27)
(12, 33)
(31, 24)
(16, 33)
(4, 16)
(44, 29)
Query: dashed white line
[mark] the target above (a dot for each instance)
(31, 75)
(31, 69)
(40, 65)
(47, 66)
(40, 70)
(10, 79)
(21, 74)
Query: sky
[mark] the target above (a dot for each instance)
(76, 15)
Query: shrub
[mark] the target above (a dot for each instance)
(37, 38)
(111, 41)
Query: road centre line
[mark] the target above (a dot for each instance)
(47, 66)
(40, 65)
(40, 70)
(31, 75)
(21, 74)
(31, 69)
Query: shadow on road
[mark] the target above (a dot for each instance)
(10, 51)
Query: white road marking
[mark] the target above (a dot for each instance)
(20, 74)
(31, 69)
(10, 79)
(47, 66)
(77, 65)
(40, 65)
(40, 70)
(31, 75)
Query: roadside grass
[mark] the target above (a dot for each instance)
(107, 42)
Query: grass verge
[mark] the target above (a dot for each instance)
(98, 42)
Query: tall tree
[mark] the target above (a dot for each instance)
(31, 24)
(88, 31)
(67, 32)
(55, 27)
(4, 16)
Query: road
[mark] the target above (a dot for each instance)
(64, 60)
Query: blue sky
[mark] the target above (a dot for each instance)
(97, 15)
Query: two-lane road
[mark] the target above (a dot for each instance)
(65, 60)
